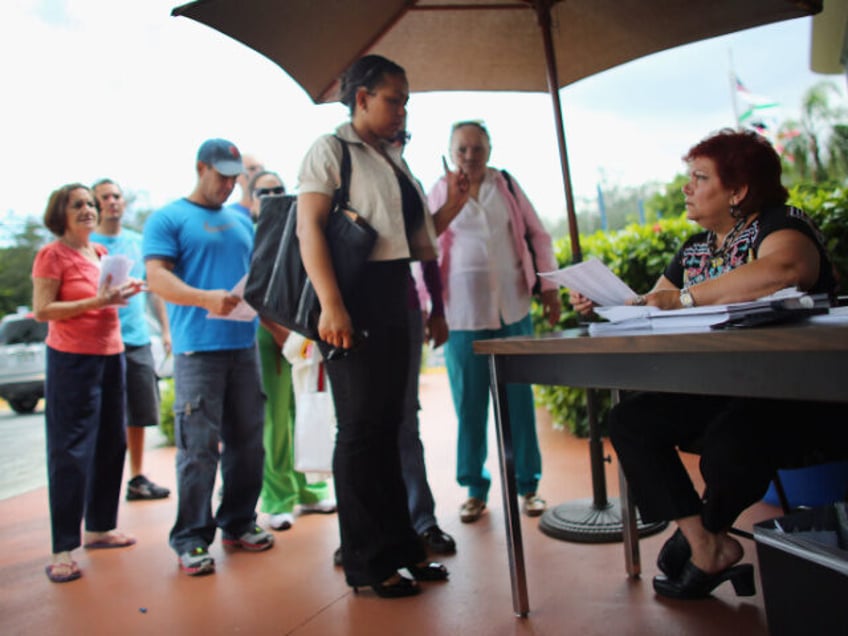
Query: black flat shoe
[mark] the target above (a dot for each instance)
(673, 555)
(400, 588)
(694, 583)
(428, 572)
(437, 541)
(337, 557)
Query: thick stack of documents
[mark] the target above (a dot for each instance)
(784, 306)
(594, 280)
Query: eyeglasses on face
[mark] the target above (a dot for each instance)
(264, 192)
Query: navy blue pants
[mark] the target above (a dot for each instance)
(86, 443)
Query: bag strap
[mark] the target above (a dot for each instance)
(509, 185)
(537, 288)
(343, 193)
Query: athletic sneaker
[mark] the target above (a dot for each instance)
(282, 521)
(197, 561)
(140, 487)
(254, 540)
(325, 506)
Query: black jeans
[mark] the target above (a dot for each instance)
(368, 387)
(742, 441)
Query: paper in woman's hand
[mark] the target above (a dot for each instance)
(594, 280)
(117, 266)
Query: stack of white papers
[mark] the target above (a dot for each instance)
(702, 318)
(596, 281)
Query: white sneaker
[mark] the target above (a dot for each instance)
(282, 521)
(325, 506)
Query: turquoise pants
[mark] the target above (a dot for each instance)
(469, 381)
(282, 486)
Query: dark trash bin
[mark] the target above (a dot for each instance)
(804, 571)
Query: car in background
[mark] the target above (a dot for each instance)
(23, 359)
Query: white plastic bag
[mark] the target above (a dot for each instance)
(314, 432)
(315, 414)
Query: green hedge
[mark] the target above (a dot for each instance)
(828, 207)
(638, 254)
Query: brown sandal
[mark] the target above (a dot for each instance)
(63, 572)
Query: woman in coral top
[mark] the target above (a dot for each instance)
(84, 392)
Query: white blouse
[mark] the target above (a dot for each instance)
(486, 279)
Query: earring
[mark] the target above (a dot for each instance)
(735, 212)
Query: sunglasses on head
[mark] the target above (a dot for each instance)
(264, 192)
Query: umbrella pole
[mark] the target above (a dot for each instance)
(598, 519)
(543, 14)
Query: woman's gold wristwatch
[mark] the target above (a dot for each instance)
(686, 299)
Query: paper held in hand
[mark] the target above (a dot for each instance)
(117, 266)
(242, 312)
(594, 280)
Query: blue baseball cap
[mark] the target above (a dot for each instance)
(221, 155)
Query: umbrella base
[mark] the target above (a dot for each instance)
(584, 522)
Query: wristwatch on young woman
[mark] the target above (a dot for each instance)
(686, 299)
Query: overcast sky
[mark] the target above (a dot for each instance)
(95, 88)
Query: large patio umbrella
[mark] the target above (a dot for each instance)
(487, 45)
(490, 45)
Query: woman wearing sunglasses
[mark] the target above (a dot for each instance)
(283, 488)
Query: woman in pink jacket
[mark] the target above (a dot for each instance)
(489, 273)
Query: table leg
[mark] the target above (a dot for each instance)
(515, 547)
(630, 534)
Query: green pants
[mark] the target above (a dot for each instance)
(282, 486)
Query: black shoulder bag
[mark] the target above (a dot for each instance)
(277, 285)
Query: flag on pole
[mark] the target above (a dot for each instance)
(753, 104)
(602, 207)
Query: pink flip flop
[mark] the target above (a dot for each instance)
(63, 572)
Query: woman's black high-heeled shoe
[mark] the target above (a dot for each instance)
(673, 555)
(428, 572)
(400, 588)
(694, 583)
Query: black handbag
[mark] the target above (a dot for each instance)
(277, 286)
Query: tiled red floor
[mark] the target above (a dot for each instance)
(574, 588)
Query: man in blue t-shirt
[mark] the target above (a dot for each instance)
(196, 252)
(142, 381)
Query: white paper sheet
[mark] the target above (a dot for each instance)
(241, 312)
(117, 266)
(594, 280)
